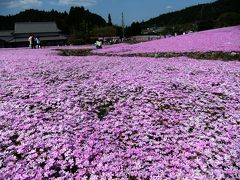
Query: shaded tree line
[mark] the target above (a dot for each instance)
(217, 14)
(80, 24)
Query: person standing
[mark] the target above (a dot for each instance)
(38, 42)
(98, 44)
(33, 42)
(30, 40)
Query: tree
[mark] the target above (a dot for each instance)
(134, 29)
(106, 31)
(109, 20)
(228, 19)
(205, 25)
(202, 15)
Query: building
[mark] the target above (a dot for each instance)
(110, 40)
(48, 33)
(154, 30)
(143, 38)
(5, 37)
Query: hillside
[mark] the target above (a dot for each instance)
(200, 17)
(128, 118)
(223, 39)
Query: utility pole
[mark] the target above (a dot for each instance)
(123, 33)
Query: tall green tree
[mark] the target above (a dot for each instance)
(109, 20)
(134, 29)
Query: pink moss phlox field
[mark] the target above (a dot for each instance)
(117, 118)
(223, 39)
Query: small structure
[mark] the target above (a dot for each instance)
(110, 40)
(48, 33)
(153, 30)
(143, 38)
(5, 37)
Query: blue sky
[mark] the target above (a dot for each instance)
(134, 10)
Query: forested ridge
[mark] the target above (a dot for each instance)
(81, 24)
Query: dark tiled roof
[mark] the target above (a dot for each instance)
(6, 35)
(35, 27)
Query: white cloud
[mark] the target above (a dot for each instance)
(169, 7)
(77, 2)
(23, 3)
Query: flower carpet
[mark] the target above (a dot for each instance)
(97, 117)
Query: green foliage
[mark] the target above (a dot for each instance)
(228, 19)
(179, 29)
(119, 31)
(79, 37)
(202, 17)
(106, 31)
(7, 22)
(82, 20)
(205, 25)
(76, 38)
(109, 20)
(78, 23)
(134, 29)
(78, 19)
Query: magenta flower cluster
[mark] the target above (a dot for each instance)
(223, 39)
(99, 117)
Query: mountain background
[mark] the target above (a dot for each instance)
(81, 24)
(220, 13)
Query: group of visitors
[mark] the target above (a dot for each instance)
(34, 42)
(98, 44)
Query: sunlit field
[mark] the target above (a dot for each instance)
(114, 117)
